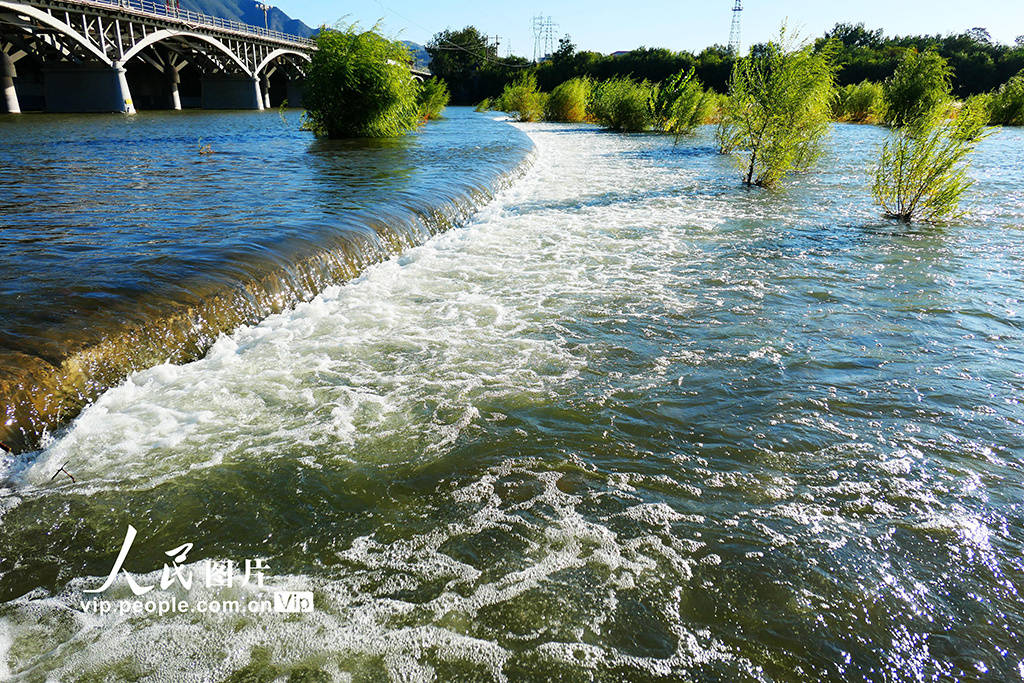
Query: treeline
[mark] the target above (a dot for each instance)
(470, 65)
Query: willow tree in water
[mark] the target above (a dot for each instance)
(360, 84)
(779, 110)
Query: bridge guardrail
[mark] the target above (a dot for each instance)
(169, 10)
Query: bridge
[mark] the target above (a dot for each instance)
(119, 55)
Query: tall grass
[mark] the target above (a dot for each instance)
(779, 110)
(432, 97)
(680, 104)
(922, 173)
(623, 105)
(522, 100)
(568, 101)
(860, 103)
(1007, 105)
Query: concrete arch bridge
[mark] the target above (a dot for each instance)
(119, 55)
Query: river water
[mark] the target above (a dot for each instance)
(631, 421)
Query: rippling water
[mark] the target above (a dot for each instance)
(124, 245)
(633, 422)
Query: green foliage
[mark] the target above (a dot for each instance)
(484, 104)
(923, 169)
(778, 110)
(861, 103)
(920, 88)
(1007, 105)
(359, 85)
(622, 104)
(522, 100)
(432, 98)
(568, 101)
(680, 104)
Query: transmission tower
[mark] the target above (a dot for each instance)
(734, 34)
(543, 36)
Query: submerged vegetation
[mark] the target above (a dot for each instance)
(920, 88)
(359, 84)
(522, 100)
(778, 111)
(680, 104)
(922, 171)
(623, 105)
(860, 103)
(568, 102)
(432, 97)
(1007, 105)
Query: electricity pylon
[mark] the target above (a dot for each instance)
(734, 34)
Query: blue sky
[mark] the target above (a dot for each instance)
(609, 25)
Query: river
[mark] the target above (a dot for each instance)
(629, 421)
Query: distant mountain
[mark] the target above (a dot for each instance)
(420, 57)
(247, 12)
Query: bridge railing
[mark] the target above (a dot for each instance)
(168, 9)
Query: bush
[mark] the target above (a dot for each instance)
(522, 100)
(484, 104)
(1007, 105)
(861, 103)
(923, 169)
(919, 89)
(622, 104)
(680, 104)
(432, 98)
(359, 85)
(778, 110)
(568, 101)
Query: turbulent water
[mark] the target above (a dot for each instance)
(631, 422)
(128, 243)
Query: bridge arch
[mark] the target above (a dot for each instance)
(281, 52)
(64, 29)
(167, 34)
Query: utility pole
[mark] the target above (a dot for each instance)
(734, 34)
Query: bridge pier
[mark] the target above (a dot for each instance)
(174, 79)
(265, 85)
(7, 75)
(89, 88)
(231, 92)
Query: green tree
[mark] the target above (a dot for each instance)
(568, 101)
(922, 173)
(522, 100)
(460, 58)
(1008, 104)
(778, 110)
(359, 84)
(680, 104)
(920, 87)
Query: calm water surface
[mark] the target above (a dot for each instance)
(631, 422)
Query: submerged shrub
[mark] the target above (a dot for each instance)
(568, 101)
(622, 104)
(860, 103)
(680, 104)
(359, 84)
(484, 104)
(522, 100)
(923, 169)
(1007, 105)
(432, 98)
(778, 110)
(919, 88)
